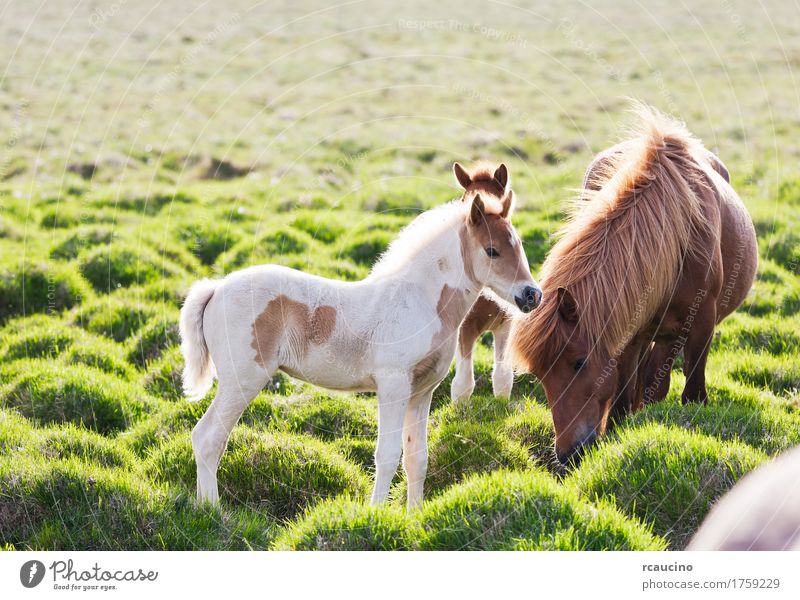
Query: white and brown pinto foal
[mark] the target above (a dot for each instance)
(394, 332)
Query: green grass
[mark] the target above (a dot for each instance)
(507, 511)
(667, 477)
(48, 392)
(316, 163)
(279, 474)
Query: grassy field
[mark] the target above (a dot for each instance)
(145, 145)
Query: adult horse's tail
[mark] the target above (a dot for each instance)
(198, 371)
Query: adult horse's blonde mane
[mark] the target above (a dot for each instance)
(621, 251)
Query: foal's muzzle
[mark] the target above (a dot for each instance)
(531, 298)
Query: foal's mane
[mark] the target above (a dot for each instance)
(622, 249)
(414, 238)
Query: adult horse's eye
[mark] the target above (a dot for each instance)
(492, 252)
(579, 364)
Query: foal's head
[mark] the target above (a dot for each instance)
(490, 247)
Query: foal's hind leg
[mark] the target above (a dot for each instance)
(415, 445)
(393, 396)
(210, 435)
(503, 371)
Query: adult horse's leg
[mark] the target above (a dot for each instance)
(393, 396)
(210, 435)
(484, 315)
(695, 353)
(415, 445)
(625, 401)
(658, 370)
(503, 371)
(463, 383)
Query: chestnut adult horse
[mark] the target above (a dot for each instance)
(659, 249)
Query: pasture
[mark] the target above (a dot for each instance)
(145, 145)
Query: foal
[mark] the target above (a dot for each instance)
(393, 332)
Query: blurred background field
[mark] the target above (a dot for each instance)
(144, 145)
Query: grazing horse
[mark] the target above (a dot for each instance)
(656, 253)
(490, 313)
(393, 333)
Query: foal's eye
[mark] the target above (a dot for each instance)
(492, 252)
(579, 364)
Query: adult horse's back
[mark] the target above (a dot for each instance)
(653, 257)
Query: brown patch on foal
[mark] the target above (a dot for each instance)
(450, 309)
(323, 321)
(282, 313)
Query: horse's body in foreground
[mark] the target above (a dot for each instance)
(658, 251)
(394, 332)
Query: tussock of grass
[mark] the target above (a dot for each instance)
(122, 265)
(531, 511)
(345, 524)
(72, 505)
(80, 239)
(668, 477)
(333, 417)
(153, 340)
(44, 337)
(40, 287)
(117, 317)
(533, 429)
(279, 474)
(18, 435)
(765, 427)
(49, 392)
(458, 450)
(180, 417)
(164, 376)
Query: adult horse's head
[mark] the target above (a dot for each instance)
(579, 376)
(490, 247)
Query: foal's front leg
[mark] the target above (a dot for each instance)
(393, 395)
(415, 445)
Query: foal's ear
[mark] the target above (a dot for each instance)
(501, 176)
(567, 307)
(463, 178)
(477, 210)
(508, 204)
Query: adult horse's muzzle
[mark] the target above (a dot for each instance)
(573, 455)
(531, 298)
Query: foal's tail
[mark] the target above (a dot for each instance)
(198, 372)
